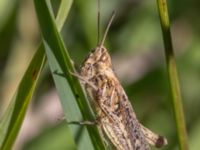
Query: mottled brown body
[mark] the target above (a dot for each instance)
(117, 118)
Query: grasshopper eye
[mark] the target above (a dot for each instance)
(104, 58)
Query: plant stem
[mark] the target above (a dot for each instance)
(173, 75)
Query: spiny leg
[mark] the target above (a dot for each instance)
(96, 121)
(84, 80)
(83, 122)
(92, 123)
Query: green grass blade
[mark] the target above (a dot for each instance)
(74, 102)
(173, 75)
(63, 12)
(13, 117)
(11, 122)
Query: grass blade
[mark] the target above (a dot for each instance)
(13, 117)
(74, 102)
(12, 120)
(173, 75)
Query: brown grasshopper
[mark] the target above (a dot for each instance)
(116, 117)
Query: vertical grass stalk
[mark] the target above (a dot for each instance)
(173, 75)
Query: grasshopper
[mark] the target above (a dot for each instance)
(116, 117)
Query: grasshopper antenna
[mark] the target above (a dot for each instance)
(98, 22)
(107, 28)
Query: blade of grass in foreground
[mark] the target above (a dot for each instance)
(13, 117)
(74, 102)
(173, 75)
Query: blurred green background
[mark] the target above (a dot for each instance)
(136, 47)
